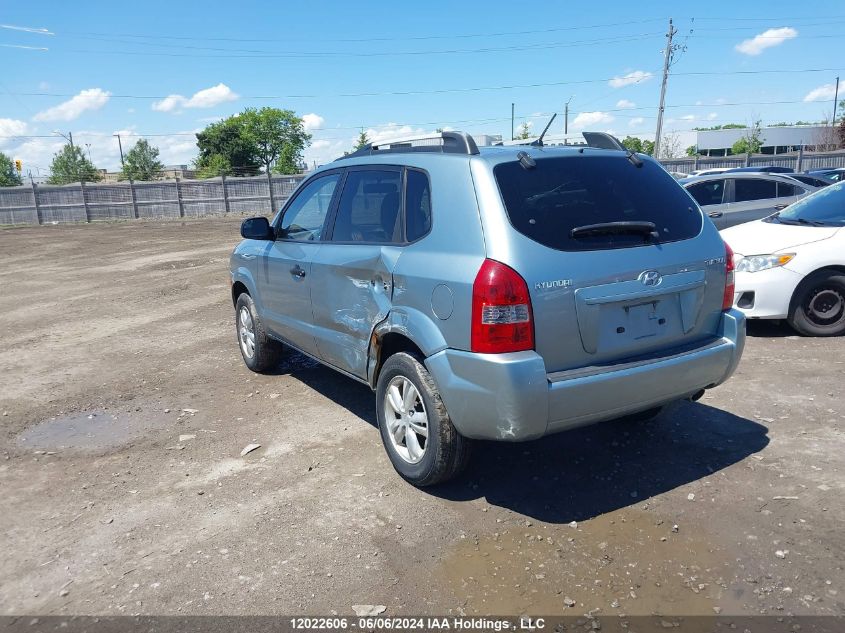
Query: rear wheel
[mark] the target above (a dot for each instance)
(258, 350)
(420, 439)
(819, 305)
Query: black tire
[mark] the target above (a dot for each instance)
(446, 452)
(818, 306)
(643, 416)
(266, 351)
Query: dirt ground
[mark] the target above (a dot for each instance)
(125, 406)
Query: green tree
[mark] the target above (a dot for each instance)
(751, 143)
(141, 162)
(9, 176)
(278, 136)
(692, 150)
(633, 143)
(228, 141)
(70, 165)
(524, 132)
(363, 140)
(213, 166)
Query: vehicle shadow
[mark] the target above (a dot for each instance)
(586, 472)
(765, 328)
(578, 474)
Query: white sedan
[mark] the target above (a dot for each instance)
(791, 265)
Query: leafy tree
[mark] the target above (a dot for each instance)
(692, 150)
(279, 138)
(726, 126)
(363, 140)
(213, 166)
(141, 162)
(9, 176)
(751, 143)
(524, 132)
(70, 165)
(638, 145)
(227, 140)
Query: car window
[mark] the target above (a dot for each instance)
(786, 190)
(824, 207)
(547, 201)
(305, 217)
(369, 207)
(417, 205)
(706, 193)
(748, 189)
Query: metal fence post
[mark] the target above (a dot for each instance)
(134, 200)
(179, 198)
(84, 201)
(225, 194)
(800, 160)
(35, 201)
(270, 187)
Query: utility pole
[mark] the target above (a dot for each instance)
(68, 137)
(512, 106)
(566, 122)
(835, 102)
(120, 145)
(667, 58)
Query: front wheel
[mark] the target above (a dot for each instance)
(420, 439)
(819, 305)
(259, 351)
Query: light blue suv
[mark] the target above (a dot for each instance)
(503, 294)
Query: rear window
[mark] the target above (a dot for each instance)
(547, 202)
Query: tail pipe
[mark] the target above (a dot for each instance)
(696, 396)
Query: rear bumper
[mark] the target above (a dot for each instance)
(511, 397)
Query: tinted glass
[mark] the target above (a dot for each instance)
(826, 207)
(306, 215)
(369, 207)
(546, 202)
(747, 189)
(785, 190)
(709, 192)
(417, 205)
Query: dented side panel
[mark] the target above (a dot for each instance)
(351, 292)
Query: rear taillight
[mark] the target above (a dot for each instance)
(501, 311)
(728, 299)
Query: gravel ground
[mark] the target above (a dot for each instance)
(125, 407)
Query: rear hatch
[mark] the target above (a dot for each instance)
(619, 262)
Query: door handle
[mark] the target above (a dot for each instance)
(297, 272)
(715, 214)
(780, 207)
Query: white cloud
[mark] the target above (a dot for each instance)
(11, 127)
(633, 77)
(688, 117)
(591, 119)
(637, 120)
(624, 103)
(712, 116)
(206, 98)
(91, 99)
(312, 121)
(822, 93)
(766, 39)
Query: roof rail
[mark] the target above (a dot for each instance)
(448, 143)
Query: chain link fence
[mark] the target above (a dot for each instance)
(91, 202)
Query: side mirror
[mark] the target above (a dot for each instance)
(257, 229)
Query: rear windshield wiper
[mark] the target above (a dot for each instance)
(646, 229)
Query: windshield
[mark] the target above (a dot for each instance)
(823, 208)
(596, 202)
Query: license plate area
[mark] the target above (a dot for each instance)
(635, 325)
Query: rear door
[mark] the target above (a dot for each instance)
(283, 278)
(711, 196)
(598, 298)
(352, 274)
(752, 199)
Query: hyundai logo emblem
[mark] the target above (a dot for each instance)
(650, 278)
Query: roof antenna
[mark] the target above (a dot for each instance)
(538, 142)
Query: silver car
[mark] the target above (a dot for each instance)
(502, 294)
(736, 197)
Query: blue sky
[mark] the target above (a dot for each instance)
(165, 69)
